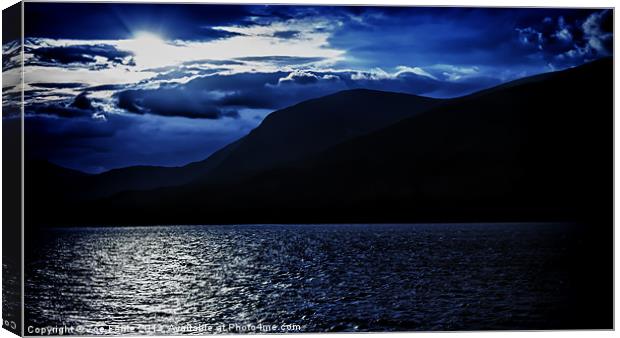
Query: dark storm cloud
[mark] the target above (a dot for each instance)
(123, 140)
(282, 60)
(79, 106)
(212, 97)
(286, 34)
(58, 85)
(171, 102)
(208, 97)
(67, 133)
(106, 87)
(82, 102)
(60, 111)
(77, 54)
(38, 94)
(207, 34)
(216, 96)
(213, 62)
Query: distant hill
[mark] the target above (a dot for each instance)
(46, 178)
(533, 149)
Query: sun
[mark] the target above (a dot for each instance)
(150, 50)
(147, 39)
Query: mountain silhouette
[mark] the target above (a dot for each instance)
(294, 133)
(46, 178)
(284, 136)
(533, 149)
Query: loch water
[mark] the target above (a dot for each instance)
(314, 278)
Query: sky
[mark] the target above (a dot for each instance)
(116, 85)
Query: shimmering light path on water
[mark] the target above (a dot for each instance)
(320, 277)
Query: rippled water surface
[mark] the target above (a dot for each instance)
(320, 277)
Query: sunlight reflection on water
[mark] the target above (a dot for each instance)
(322, 277)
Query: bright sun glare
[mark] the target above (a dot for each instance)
(147, 38)
(150, 50)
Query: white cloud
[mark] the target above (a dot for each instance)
(99, 117)
(563, 33)
(529, 36)
(455, 73)
(299, 75)
(305, 77)
(380, 74)
(374, 74)
(594, 34)
(413, 70)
